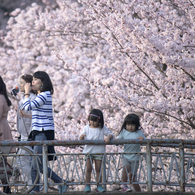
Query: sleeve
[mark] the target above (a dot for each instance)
(20, 105)
(32, 96)
(120, 136)
(83, 131)
(40, 100)
(1, 107)
(108, 132)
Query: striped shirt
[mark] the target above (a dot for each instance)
(42, 111)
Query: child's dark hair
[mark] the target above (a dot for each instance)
(47, 84)
(95, 115)
(131, 119)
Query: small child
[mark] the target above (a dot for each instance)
(95, 131)
(131, 130)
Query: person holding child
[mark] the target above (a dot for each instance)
(131, 130)
(95, 131)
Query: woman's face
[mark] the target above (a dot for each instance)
(22, 84)
(37, 84)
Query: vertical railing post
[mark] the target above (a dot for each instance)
(45, 169)
(149, 167)
(181, 167)
(104, 173)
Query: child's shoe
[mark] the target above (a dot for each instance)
(87, 188)
(100, 189)
(63, 188)
(126, 189)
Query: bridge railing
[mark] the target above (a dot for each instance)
(166, 165)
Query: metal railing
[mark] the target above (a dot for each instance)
(168, 164)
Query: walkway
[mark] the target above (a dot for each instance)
(130, 193)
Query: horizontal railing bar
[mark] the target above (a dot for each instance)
(152, 142)
(159, 160)
(173, 184)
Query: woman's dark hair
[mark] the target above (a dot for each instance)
(28, 79)
(131, 119)
(3, 91)
(47, 84)
(95, 115)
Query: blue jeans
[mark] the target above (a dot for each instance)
(38, 150)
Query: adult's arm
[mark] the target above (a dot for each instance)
(36, 103)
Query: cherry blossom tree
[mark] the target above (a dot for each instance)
(120, 56)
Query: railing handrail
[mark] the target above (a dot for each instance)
(180, 145)
(152, 142)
